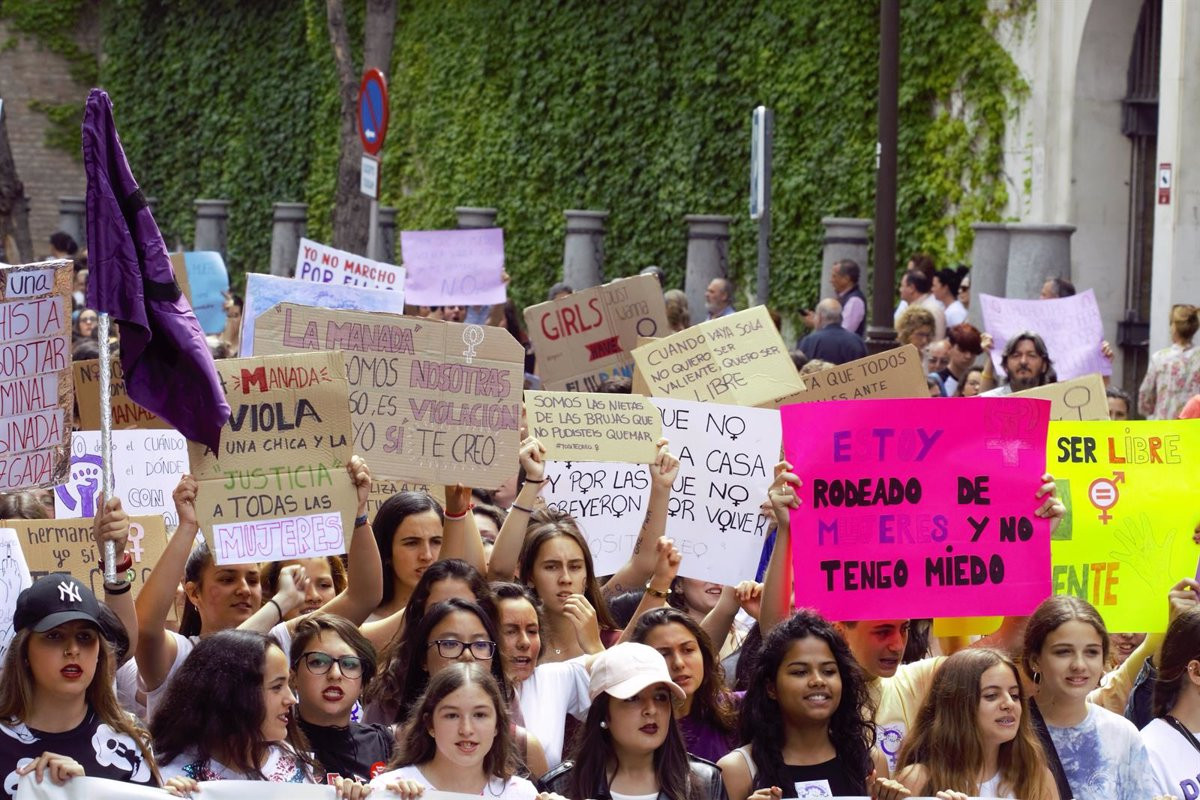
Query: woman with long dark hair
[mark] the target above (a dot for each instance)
(707, 715)
(460, 741)
(1173, 736)
(630, 743)
(972, 735)
(806, 718)
(408, 531)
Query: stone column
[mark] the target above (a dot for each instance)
(844, 238)
(583, 250)
(707, 258)
(471, 217)
(71, 211)
(989, 266)
(289, 224)
(387, 234)
(1036, 252)
(212, 218)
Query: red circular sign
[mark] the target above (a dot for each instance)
(372, 111)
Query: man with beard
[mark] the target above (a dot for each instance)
(1026, 364)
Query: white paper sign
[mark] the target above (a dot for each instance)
(608, 500)
(104, 789)
(14, 578)
(320, 263)
(147, 466)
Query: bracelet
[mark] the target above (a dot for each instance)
(360, 521)
(277, 608)
(520, 508)
(467, 510)
(121, 587)
(125, 564)
(531, 480)
(659, 593)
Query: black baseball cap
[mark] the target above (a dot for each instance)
(53, 600)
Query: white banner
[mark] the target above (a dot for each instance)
(104, 789)
(147, 465)
(320, 263)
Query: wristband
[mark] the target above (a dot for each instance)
(531, 480)
(121, 587)
(277, 608)
(124, 565)
(360, 521)
(520, 508)
(461, 515)
(659, 593)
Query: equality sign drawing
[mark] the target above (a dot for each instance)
(915, 514)
(1070, 327)
(1130, 490)
(37, 397)
(147, 465)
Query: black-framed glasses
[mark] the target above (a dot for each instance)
(319, 663)
(482, 650)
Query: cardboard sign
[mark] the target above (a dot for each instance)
(891, 374)
(737, 360)
(727, 456)
(147, 466)
(454, 267)
(434, 400)
(320, 263)
(66, 545)
(264, 292)
(586, 337)
(1070, 327)
(922, 516)
(278, 488)
(1078, 400)
(383, 488)
(36, 395)
(14, 579)
(125, 412)
(594, 427)
(1130, 491)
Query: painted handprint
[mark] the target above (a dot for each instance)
(1146, 553)
(83, 485)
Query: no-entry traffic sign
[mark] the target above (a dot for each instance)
(372, 110)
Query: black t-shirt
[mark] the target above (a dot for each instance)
(828, 779)
(103, 752)
(359, 751)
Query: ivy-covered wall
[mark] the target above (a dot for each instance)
(639, 108)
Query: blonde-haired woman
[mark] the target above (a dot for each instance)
(915, 326)
(1174, 373)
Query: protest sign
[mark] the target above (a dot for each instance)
(1130, 490)
(278, 488)
(14, 579)
(1070, 327)
(383, 488)
(205, 281)
(66, 545)
(737, 360)
(1078, 400)
(585, 338)
(125, 412)
(36, 394)
(574, 426)
(454, 267)
(891, 374)
(264, 292)
(147, 465)
(919, 515)
(84, 788)
(320, 263)
(608, 502)
(434, 400)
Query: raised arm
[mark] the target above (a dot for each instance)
(507, 549)
(777, 582)
(364, 570)
(634, 573)
(666, 567)
(292, 586)
(156, 650)
(460, 534)
(112, 525)
(718, 622)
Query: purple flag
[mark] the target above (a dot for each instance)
(168, 367)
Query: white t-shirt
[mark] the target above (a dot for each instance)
(991, 787)
(283, 766)
(547, 696)
(513, 789)
(1174, 762)
(956, 314)
(129, 681)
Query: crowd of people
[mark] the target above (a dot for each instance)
(470, 646)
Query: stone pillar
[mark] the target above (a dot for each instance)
(212, 218)
(1035, 252)
(471, 217)
(288, 226)
(707, 258)
(844, 238)
(387, 234)
(989, 266)
(71, 212)
(583, 250)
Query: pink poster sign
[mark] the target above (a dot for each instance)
(1070, 326)
(929, 514)
(454, 267)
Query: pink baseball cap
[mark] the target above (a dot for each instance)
(624, 670)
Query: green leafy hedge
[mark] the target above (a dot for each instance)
(639, 108)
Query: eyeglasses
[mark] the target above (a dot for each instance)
(319, 663)
(452, 648)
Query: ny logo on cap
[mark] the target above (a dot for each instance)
(69, 591)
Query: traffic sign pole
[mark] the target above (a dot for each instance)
(372, 128)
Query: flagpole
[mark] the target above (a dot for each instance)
(110, 548)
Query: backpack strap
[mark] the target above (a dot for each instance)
(1052, 759)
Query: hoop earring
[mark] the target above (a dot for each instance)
(1037, 678)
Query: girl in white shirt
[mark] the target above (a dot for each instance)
(1173, 737)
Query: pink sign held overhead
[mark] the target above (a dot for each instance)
(1070, 326)
(454, 267)
(924, 515)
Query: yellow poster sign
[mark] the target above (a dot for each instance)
(1130, 490)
